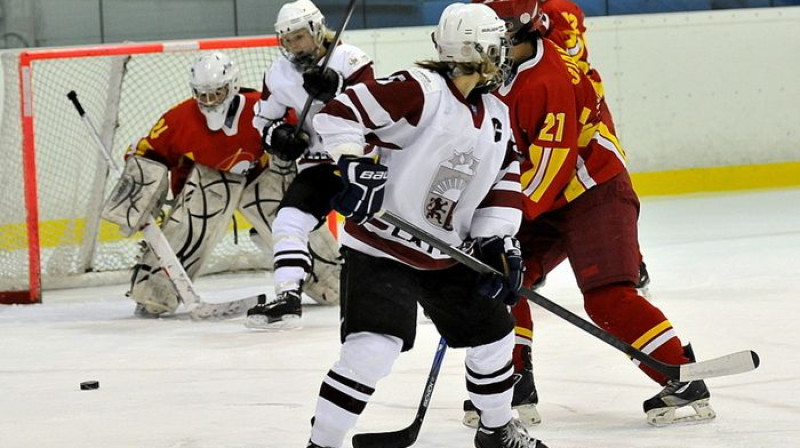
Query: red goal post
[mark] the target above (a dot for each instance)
(54, 179)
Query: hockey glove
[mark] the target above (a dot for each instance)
(280, 140)
(362, 193)
(504, 255)
(322, 84)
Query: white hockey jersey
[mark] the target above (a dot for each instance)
(453, 168)
(283, 88)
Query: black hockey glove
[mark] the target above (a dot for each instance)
(503, 254)
(280, 141)
(322, 84)
(362, 194)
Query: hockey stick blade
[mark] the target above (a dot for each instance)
(732, 364)
(395, 439)
(223, 310)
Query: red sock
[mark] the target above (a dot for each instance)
(619, 310)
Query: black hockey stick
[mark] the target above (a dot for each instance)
(731, 364)
(306, 107)
(406, 436)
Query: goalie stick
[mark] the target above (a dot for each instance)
(307, 106)
(739, 362)
(161, 249)
(407, 436)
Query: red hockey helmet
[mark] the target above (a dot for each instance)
(523, 17)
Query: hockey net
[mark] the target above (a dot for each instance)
(54, 178)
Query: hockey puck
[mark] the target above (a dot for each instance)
(90, 385)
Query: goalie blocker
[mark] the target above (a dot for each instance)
(140, 191)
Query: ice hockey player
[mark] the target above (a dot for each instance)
(304, 42)
(216, 165)
(563, 22)
(432, 146)
(581, 206)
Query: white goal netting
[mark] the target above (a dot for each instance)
(124, 89)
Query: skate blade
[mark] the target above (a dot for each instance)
(471, 419)
(669, 416)
(528, 414)
(262, 323)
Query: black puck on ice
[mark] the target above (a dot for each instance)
(90, 385)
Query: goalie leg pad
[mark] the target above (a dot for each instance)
(140, 189)
(322, 284)
(259, 205)
(151, 289)
(193, 227)
(260, 201)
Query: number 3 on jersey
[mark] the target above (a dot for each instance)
(553, 130)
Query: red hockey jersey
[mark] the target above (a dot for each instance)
(567, 30)
(181, 138)
(559, 127)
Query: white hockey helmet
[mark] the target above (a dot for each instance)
(472, 33)
(214, 80)
(301, 15)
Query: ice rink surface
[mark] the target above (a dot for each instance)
(725, 270)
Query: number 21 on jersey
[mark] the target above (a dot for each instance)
(553, 130)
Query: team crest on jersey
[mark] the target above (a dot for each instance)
(450, 182)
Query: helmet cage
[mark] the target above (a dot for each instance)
(296, 16)
(498, 56)
(214, 80)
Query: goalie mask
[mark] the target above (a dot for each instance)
(524, 18)
(301, 30)
(214, 80)
(473, 34)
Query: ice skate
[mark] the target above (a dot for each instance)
(282, 313)
(524, 402)
(510, 435)
(679, 403)
(525, 399)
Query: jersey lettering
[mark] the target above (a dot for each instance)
(390, 79)
(572, 67)
(158, 129)
(553, 121)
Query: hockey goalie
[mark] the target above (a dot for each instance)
(215, 164)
